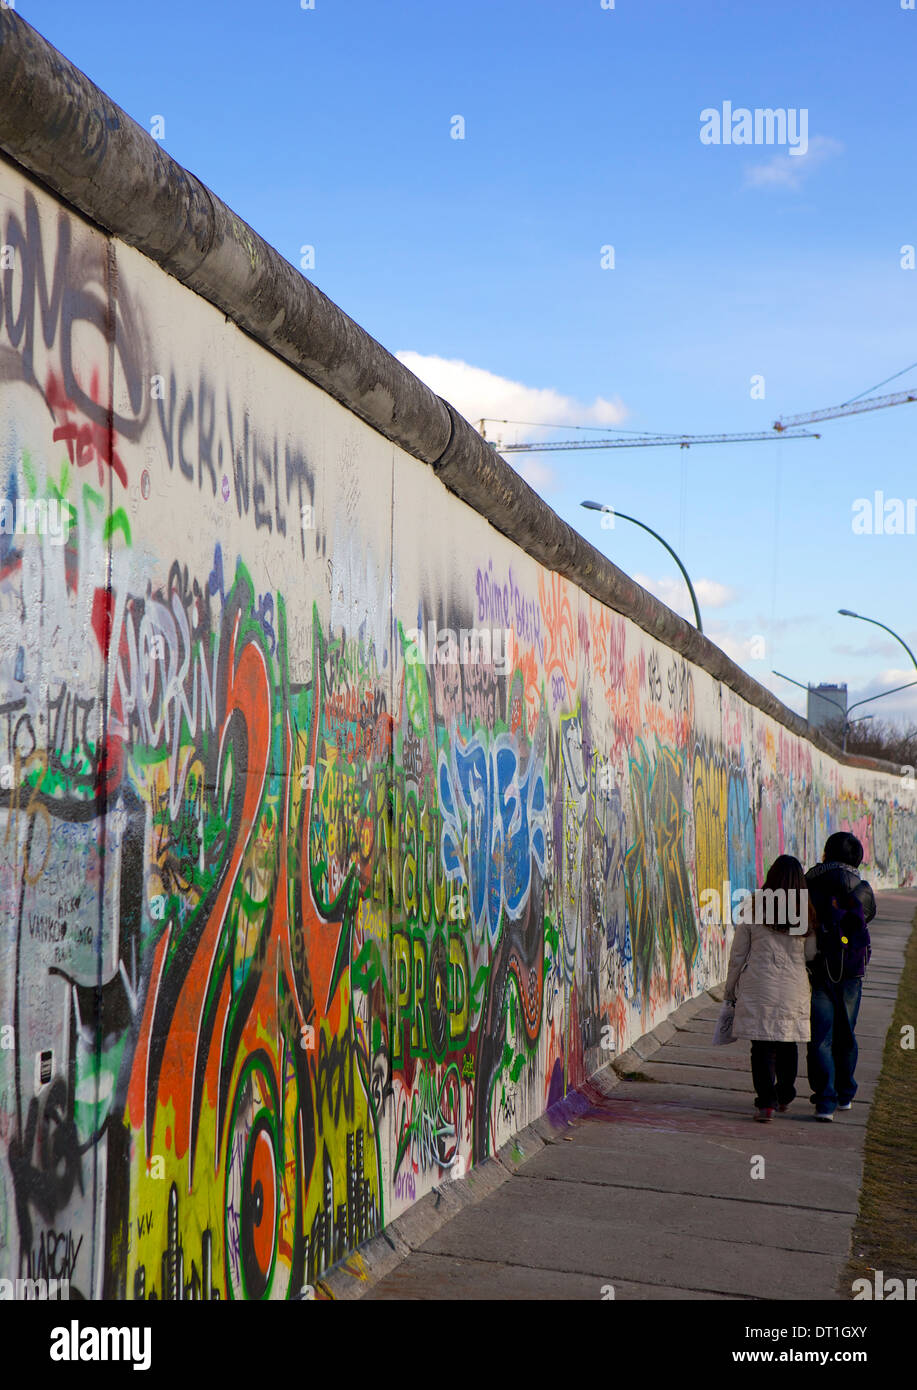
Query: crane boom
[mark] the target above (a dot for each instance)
(834, 412)
(684, 441)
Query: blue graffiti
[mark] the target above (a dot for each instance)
(215, 583)
(265, 616)
(503, 812)
(740, 839)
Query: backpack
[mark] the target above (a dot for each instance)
(842, 937)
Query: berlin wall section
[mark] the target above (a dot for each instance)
(339, 837)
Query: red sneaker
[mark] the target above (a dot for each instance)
(764, 1115)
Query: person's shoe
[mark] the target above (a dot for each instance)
(846, 1106)
(764, 1114)
(782, 1109)
(824, 1115)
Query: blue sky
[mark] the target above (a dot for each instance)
(480, 258)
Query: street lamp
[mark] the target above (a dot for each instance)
(827, 698)
(597, 507)
(856, 704)
(808, 689)
(846, 613)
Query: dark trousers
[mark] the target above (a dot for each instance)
(832, 1055)
(773, 1070)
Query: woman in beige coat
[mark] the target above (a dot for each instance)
(768, 984)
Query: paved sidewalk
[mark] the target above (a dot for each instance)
(650, 1189)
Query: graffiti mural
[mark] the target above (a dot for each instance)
(304, 916)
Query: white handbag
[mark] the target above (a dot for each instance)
(723, 1032)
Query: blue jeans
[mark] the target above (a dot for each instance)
(832, 1052)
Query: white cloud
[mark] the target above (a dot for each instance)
(890, 676)
(889, 679)
(790, 171)
(711, 594)
(537, 474)
(674, 594)
(744, 651)
(877, 647)
(477, 393)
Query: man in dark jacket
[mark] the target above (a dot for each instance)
(843, 904)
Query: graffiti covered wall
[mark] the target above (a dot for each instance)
(338, 837)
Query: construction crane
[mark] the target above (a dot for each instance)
(856, 406)
(646, 441)
(834, 412)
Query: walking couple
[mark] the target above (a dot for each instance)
(793, 981)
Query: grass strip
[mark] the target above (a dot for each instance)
(885, 1235)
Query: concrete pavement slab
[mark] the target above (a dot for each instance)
(698, 1026)
(583, 1216)
(441, 1276)
(697, 1108)
(631, 1157)
(652, 1251)
(683, 1074)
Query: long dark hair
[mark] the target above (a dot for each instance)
(787, 876)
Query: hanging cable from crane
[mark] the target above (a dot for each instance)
(857, 405)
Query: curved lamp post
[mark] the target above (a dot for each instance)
(597, 507)
(856, 704)
(846, 613)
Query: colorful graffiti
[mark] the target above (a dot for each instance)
(662, 908)
(300, 922)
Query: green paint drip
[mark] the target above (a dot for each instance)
(515, 1070)
(28, 473)
(416, 692)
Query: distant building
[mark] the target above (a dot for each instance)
(826, 705)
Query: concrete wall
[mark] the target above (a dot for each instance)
(305, 907)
